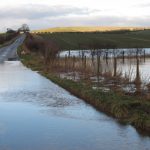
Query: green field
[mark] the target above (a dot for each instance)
(82, 40)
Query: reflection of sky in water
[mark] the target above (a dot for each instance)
(36, 114)
(102, 52)
(128, 68)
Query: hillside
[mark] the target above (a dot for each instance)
(88, 29)
(74, 40)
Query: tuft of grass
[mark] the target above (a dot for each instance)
(141, 120)
(120, 109)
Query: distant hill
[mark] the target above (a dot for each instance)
(89, 29)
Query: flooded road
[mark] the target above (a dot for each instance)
(9, 52)
(36, 114)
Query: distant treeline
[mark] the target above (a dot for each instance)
(121, 31)
(104, 32)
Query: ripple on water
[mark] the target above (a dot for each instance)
(36, 114)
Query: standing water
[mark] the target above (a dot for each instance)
(36, 114)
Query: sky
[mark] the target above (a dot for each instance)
(40, 14)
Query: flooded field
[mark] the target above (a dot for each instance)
(89, 53)
(123, 65)
(122, 68)
(36, 114)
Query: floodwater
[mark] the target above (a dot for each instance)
(36, 114)
(102, 52)
(126, 68)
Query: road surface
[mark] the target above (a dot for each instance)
(9, 52)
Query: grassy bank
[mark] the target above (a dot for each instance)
(127, 109)
(78, 40)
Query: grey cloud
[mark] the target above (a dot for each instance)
(41, 16)
(41, 11)
(90, 21)
(101, 21)
(121, 21)
(77, 21)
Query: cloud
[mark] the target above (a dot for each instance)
(41, 11)
(91, 21)
(38, 14)
(102, 21)
(45, 16)
(142, 5)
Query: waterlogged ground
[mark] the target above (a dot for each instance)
(128, 67)
(102, 52)
(36, 114)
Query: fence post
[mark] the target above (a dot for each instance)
(138, 79)
(144, 55)
(106, 57)
(123, 56)
(74, 59)
(82, 55)
(115, 66)
(65, 63)
(84, 66)
(98, 67)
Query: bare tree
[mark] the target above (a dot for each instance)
(24, 28)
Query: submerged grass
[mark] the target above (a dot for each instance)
(127, 109)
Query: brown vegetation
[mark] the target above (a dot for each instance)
(7, 37)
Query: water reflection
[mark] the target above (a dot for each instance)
(36, 114)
